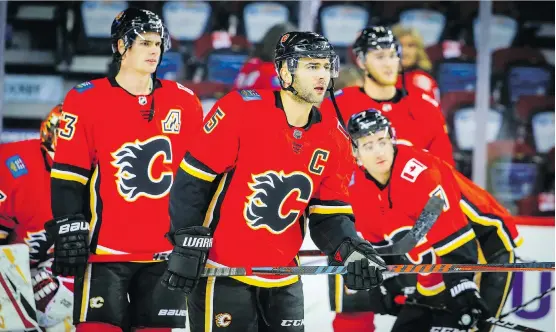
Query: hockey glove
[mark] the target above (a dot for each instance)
(71, 244)
(465, 302)
(187, 260)
(383, 298)
(363, 264)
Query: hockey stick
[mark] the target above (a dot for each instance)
(426, 220)
(421, 268)
(491, 320)
(324, 270)
(424, 223)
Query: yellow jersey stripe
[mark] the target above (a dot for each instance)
(330, 209)
(196, 172)
(68, 176)
(431, 291)
(486, 221)
(455, 243)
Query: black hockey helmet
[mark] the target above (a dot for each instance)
(130, 23)
(376, 38)
(294, 45)
(367, 123)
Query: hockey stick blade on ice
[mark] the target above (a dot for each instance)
(424, 223)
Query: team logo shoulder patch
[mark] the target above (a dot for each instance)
(412, 169)
(277, 200)
(82, 87)
(250, 95)
(181, 87)
(172, 123)
(16, 166)
(338, 93)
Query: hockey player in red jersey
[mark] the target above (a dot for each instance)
(391, 188)
(259, 71)
(417, 117)
(24, 208)
(118, 150)
(265, 161)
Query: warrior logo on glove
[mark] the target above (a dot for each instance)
(277, 200)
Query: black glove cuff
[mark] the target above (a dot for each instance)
(186, 262)
(67, 224)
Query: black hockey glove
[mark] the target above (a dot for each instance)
(465, 302)
(187, 260)
(383, 298)
(71, 244)
(364, 265)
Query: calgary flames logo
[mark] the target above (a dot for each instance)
(135, 161)
(277, 200)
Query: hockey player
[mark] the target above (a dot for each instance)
(266, 160)
(24, 208)
(391, 188)
(416, 117)
(120, 145)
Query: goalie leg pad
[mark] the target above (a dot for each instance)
(59, 308)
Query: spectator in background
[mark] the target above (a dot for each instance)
(349, 75)
(259, 71)
(415, 62)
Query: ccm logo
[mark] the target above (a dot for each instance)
(171, 312)
(198, 242)
(74, 226)
(292, 322)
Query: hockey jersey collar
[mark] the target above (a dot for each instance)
(314, 116)
(397, 97)
(114, 84)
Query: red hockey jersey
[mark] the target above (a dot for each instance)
(384, 214)
(25, 194)
(418, 81)
(108, 141)
(257, 74)
(494, 225)
(273, 176)
(416, 118)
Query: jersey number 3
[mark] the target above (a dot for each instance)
(67, 127)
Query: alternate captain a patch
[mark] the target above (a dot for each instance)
(249, 95)
(16, 166)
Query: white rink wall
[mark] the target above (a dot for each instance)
(539, 245)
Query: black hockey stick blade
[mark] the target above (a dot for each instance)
(424, 223)
(510, 326)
